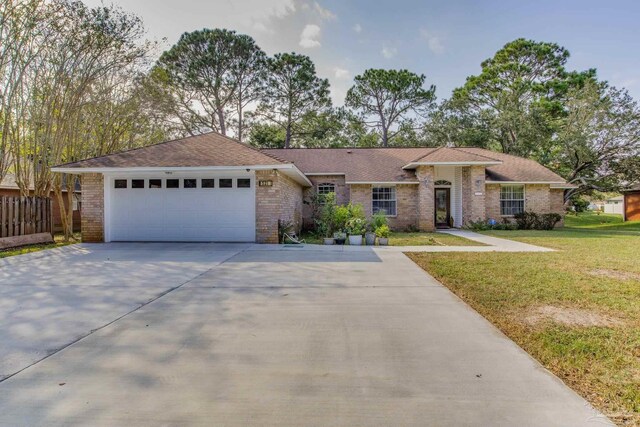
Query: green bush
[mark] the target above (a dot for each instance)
(344, 213)
(378, 220)
(579, 204)
(325, 221)
(526, 220)
(356, 226)
(548, 221)
(481, 225)
(533, 221)
(383, 231)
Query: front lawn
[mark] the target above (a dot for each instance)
(603, 221)
(429, 239)
(399, 238)
(576, 310)
(58, 242)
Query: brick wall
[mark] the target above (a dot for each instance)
(406, 204)
(492, 201)
(92, 206)
(426, 208)
(536, 198)
(361, 195)
(539, 198)
(283, 200)
(406, 207)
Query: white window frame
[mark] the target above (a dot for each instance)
(323, 193)
(512, 199)
(394, 199)
(321, 190)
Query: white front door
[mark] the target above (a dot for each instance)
(181, 208)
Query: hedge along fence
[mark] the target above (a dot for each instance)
(21, 216)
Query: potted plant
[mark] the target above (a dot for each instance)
(356, 228)
(340, 237)
(377, 220)
(383, 235)
(325, 221)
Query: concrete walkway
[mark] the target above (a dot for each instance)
(261, 337)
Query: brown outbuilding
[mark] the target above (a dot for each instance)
(632, 204)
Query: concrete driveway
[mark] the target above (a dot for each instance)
(197, 334)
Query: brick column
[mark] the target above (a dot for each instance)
(473, 194)
(267, 207)
(426, 195)
(92, 207)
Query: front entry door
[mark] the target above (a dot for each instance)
(443, 201)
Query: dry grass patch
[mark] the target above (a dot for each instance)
(570, 317)
(615, 274)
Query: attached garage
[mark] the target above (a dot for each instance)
(204, 188)
(184, 208)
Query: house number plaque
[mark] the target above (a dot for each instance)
(265, 183)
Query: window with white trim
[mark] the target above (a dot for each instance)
(511, 199)
(384, 199)
(326, 188)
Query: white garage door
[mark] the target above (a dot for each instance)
(181, 209)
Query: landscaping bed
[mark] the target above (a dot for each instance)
(576, 310)
(58, 242)
(401, 238)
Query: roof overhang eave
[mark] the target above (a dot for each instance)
(414, 165)
(288, 169)
(382, 182)
(552, 184)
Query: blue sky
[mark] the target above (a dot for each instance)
(445, 40)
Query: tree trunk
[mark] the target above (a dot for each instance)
(240, 124)
(385, 136)
(223, 127)
(287, 140)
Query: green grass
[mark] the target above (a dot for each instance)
(602, 363)
(412, 239)
(429, 239)
(58, 242)
(590, 220)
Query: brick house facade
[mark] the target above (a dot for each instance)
(212, 188)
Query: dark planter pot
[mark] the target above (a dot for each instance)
(340, 241)
(370, 239)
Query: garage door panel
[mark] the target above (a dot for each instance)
(182, 214)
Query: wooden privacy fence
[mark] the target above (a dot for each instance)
(20, 216)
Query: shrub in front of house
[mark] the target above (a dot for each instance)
(523, 221)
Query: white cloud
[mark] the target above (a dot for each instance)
(389, 52)
(341, 73)
(310, 36)
(433, 42)
(357, 28)
(324, 14)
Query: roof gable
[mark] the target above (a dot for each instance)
(447, 155)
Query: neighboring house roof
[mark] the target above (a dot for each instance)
(386, 164)
(615, 199)
(632, 189)
(206, 150)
